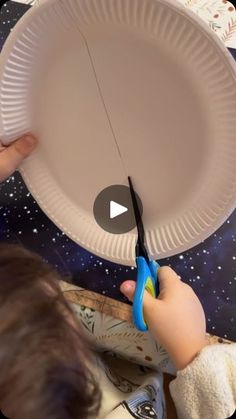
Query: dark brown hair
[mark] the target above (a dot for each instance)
(44, 356)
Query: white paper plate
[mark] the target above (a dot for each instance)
(169, 88)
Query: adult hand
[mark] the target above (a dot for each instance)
(13, 155)
(175, 319)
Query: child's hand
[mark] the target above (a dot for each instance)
(13, 155)
(176, 319)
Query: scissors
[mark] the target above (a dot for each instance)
(147, 276)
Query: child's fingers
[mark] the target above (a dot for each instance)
(167, 278)
(128, 289)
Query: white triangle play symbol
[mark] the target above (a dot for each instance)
(116, 209)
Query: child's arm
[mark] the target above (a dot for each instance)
(11, 157)
(206, 388)
(176, 319)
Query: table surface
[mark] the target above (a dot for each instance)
(210, 268)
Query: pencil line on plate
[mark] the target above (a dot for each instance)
(103, 100)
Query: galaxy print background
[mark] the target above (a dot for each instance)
(210, 268)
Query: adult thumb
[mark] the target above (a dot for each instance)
(12, 156)
(21, 148)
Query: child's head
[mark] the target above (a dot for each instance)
(43, 353)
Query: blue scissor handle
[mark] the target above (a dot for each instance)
(146, 279)
(154, 267)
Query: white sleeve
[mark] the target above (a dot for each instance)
(206, 388)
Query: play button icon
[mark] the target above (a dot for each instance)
(116, 209)
(113, 209)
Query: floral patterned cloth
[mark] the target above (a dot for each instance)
(220, 15)
(119, 337)
(113, 335)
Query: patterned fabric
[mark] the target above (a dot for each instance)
(115, 334)
(147, 402)
(119, 337)
(220, 16)
(143, 401)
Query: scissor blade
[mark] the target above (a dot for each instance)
(140, 249)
